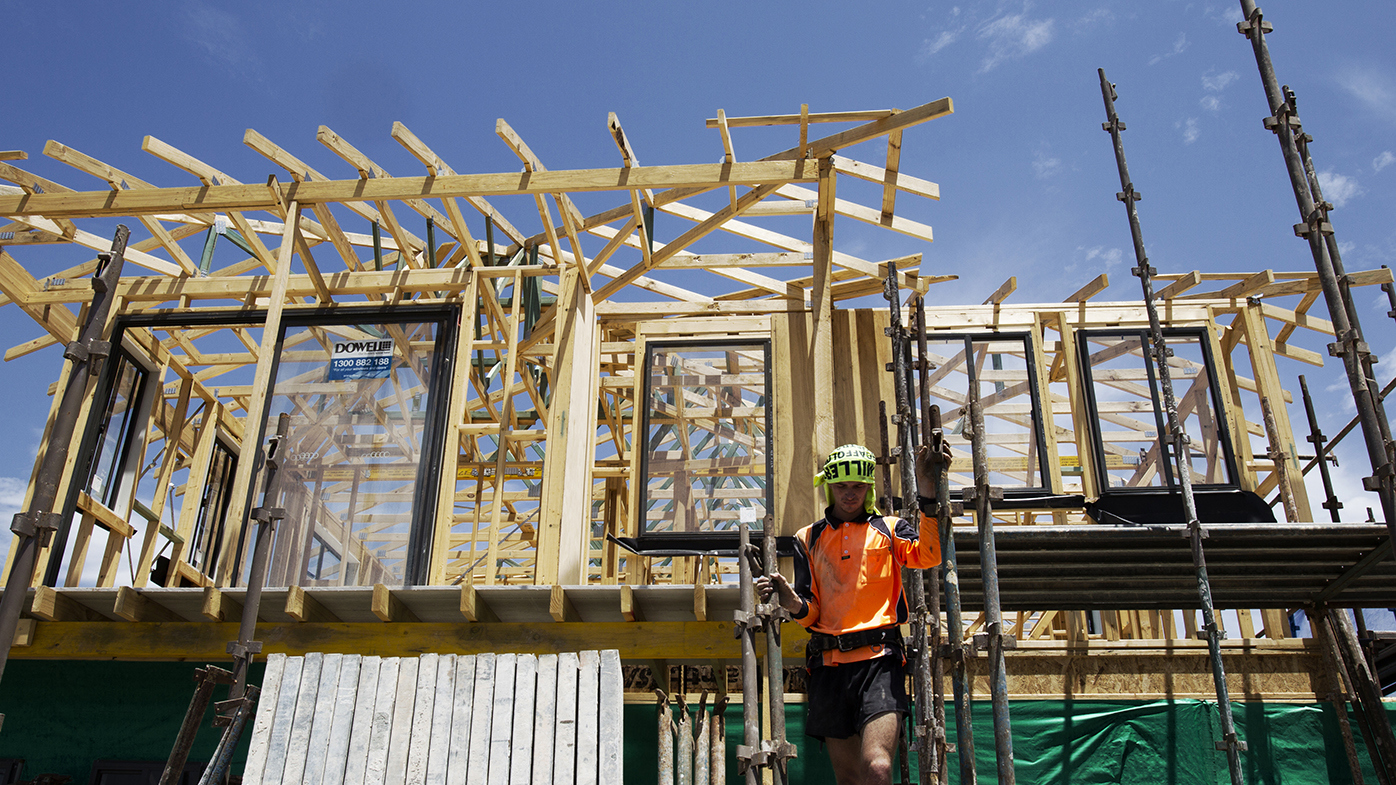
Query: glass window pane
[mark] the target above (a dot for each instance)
(358, 397)
(1192, 388)
(117, 431)
(1009, 400)
(706, 438)
(1129, 411)
(1125, 414)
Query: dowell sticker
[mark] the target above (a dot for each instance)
(360, 360)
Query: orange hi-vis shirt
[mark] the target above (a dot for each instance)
(848, 575)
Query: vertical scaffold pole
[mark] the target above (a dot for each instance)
(1176, 439)
(245, 649)
(772, 615)
(983, 495)
(1323, 246)
(750, 757)
(954, 619)
(36, 526)
(908, 507)
(934, 435)
(1316, 228)
(1317, 438)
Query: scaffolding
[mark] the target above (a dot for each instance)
(494, 432)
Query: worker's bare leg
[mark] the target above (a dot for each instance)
(866, 758)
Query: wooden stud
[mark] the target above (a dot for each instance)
(446, 491)
(271, 328)
(565, 512)
(381, 720)
(361, 728)
(462, 729)
(337, 740)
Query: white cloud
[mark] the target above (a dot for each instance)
(1372, 87)
(1092, 18)
(1218, 82)
(941, 41)
(1180, 45)
(1190, 129)
(1384, 160)
(1211, 103)
(1044, 164)
(1013, 36)
(945, 37)
(1111, 257)
(220, 34)
(1338, 188)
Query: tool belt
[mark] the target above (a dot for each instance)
(820, 642)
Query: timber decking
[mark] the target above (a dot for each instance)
(439, 719)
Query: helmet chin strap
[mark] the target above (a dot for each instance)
(869, 500)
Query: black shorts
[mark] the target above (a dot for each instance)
(844, 698)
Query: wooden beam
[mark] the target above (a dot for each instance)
(208, 641)
(820, 148)
(261, 197)
(256, 409)
(219, 606)
(1090, 290)
(694, 234)
(133, 606)
(437, 167)
(473, 606)
(388, 607)
(50, 604)
(1000, 294)
(804, 117)
(876, 174)
(1179, 286)
(629, 609)
(13, 155)
(560, 606)
(103, 516)
(304, 608)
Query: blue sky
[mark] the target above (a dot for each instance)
(1027, 176)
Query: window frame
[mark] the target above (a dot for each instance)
(1028, 338)
(1228, 446)
(719, 538)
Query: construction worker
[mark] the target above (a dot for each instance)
(848, 594)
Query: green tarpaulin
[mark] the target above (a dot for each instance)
(62, 716)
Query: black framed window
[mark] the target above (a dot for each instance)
(366, 391)
(706, 455)
(1127, 414)
(1002, 366)
(207, 536)
(120, 431)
